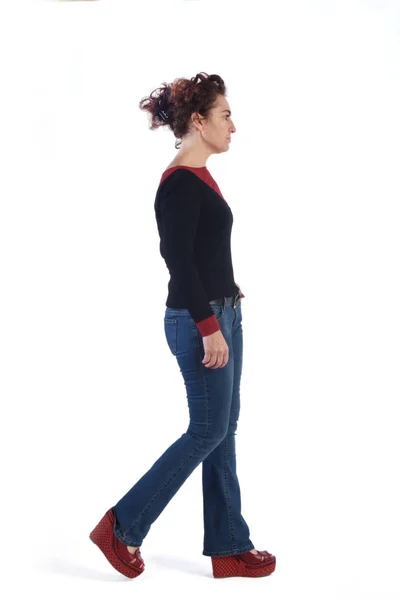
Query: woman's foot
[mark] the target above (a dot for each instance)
(253, 563)
(132, 549)
(117, 553)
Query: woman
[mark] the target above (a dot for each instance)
(203, 329)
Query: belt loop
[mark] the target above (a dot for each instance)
(223, 304)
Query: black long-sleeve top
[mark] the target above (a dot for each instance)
(194, 223)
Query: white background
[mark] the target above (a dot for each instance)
(90, 393)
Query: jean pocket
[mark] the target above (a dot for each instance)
(171, 334)
(217, 310)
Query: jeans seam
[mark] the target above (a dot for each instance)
(231, 530)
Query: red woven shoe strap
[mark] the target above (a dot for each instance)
(254, 561)
(267, 556)
(136, 562)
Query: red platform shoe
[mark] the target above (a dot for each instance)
(117, 553)
(244, 565)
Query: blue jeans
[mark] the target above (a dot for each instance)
(214, 401)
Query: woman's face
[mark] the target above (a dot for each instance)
(218, 127)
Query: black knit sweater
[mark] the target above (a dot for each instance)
(194, 223)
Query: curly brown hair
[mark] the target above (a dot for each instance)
(173, 104)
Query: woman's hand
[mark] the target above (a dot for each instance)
(216, 351)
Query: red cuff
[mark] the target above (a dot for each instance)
(208, 326)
